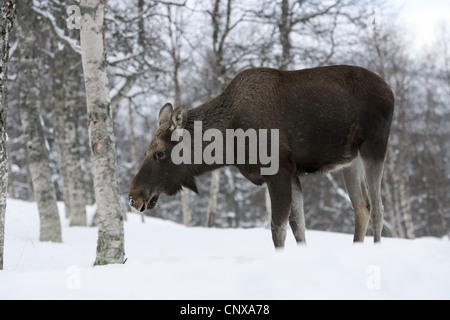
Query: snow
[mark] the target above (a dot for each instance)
(170, 261)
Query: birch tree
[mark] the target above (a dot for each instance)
(74, 173)
(7, 13)
(65, 127)
(175, 48)
(29, 108)
(110, 244)
(66, 83)
(222, 25)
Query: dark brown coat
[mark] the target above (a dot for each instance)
(327, 117)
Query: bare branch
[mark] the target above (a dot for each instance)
(122, 92)
(58, 32)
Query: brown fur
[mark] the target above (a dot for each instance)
(327, 118)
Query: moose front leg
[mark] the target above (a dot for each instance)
(280, 197)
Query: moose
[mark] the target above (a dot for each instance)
(327, 118)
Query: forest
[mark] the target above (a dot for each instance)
(186, 52)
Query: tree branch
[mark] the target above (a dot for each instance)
(58, 32)
(130, 81)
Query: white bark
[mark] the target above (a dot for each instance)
(268, 206)
(133, 145)
(75, 183)
(58, 122)
(29, 107)
(11, 188)
(405, 204)
(134, 156)
(110, 245)
(186, 208)
(389, 207)
(7, 13)
(212, 204)
(174, 53)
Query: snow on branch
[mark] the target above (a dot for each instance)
(58, 31)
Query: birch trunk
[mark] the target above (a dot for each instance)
(395, 193)
(212, 204)
(134, 156)
(185, 207)
(434, 159)
(58, 122)
(7, 12)
(11, 188)
(285, 28)
(110, 244)
(65, 96)
(30, 190)
(89, 192)
(268, 203)
(133, 147)
(221, 30)
(29, 108)
(403, 159)
(388, 195)
(405, 203)
(174, 53)
(75, 183)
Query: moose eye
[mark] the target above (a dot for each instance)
(159, 155)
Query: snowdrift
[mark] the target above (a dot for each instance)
(169, 261)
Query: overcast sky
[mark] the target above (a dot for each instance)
(423, 17)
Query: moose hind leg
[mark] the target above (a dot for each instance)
(374, 171)
(356, 189)
(280, 197)
(297, 215)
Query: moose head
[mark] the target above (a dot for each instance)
(158, 174)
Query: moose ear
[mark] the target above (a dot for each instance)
(190, 184)
(179, 118)
(165, 113)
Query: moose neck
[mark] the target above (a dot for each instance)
(214, 114)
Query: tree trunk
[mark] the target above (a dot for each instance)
(141, 25)
(221, 30)
(132, 138)
(405, 204)
(174, 53)
(268, 204)
(75, 183)
(232, 193)
(212, 204)
(30, 190)
(7, 12)
(11, 188)
(395, 192)
(284, 27)
(185, 207)
(29, 108)
(58, 93)
(89, 192)
(432, 152)
(389, 208)
(65, 97)
(110, 245)
(403, 158)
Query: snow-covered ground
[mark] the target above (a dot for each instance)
(169, 261)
